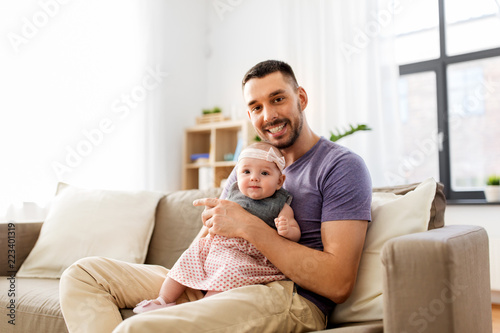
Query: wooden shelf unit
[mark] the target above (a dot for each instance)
(217, 139)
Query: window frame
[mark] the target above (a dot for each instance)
(439, 67)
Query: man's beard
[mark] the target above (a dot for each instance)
(295, 132)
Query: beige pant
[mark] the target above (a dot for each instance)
(94, 289)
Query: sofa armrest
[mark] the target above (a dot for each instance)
(437, 281)
(21, 240)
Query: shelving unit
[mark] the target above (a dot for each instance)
(217, 139)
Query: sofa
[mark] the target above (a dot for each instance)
(425, 278)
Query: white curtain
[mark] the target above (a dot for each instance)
(343, 55)
(75, 82)
(96, 94)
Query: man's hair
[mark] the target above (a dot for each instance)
(270, 66)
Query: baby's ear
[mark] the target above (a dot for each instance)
(281, 181)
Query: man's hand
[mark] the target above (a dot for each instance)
(223, 217)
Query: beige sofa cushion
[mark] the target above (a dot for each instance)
(177, 224)
(37, 306)
(87, 222)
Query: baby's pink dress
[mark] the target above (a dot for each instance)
(220, 263)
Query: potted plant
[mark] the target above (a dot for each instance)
(211, 115)
(492, 190)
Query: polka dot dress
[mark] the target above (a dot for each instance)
(219, 263)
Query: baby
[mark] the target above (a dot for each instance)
(217, 263)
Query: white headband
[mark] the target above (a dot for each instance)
(260, 154)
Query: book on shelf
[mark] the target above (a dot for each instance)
(196, 157)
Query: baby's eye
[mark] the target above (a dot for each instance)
(264, 173)
(245, 171)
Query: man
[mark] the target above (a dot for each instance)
(332, 196)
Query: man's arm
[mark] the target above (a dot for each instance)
(330, 273)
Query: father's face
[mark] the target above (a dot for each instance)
(274, 108)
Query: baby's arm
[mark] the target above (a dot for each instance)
(287, 225)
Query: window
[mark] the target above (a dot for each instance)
(449, 63)
(420, 142)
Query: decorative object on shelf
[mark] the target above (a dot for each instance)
(197, 157)
(205, 178)
(492, 190)
(228, 157)
(210, 116)
(335, 137)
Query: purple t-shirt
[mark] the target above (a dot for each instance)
(328, 183)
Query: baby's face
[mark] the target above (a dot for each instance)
(258, 179)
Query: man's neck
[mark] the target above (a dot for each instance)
(306, 140)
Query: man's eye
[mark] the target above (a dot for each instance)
(256, 109)
(279, 99)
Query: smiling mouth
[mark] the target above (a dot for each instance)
(276, 129)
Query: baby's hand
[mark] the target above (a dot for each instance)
(282, 226)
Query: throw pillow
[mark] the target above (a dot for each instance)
(438, 204)
(83, 223)
(392, 216)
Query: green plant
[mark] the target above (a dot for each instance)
(210, 111)
(337, 136)
(493, 180)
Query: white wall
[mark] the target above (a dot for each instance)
(488, 217)
(240, 36)
(179, 45)
(75, 61)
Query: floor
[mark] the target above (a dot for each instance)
(496, 318)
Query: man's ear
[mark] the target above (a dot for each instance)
(281, 181)
(304, 100)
